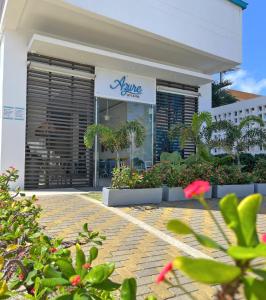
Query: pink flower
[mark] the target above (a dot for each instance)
(32, 291)
(75, 280)
(21, 277)
(53, 250)
(87, 266)
(197, 188)
(263, 238)
(165, 270)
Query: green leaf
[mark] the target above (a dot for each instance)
(107, 285)
(81, 294)
(151, 297)
(208, 242)
(247, 211)
(3, 288)
(66, 268)
(64, 297)
(100, 273)
(80, 258)
(228, 206)
(50, 272)
(30, 277)
(246, 253)
(207, 271)
(85, 227)
(254, 289)
(261, 273)
(179, 227)
(93, 254)
(53, 282)
(129, 289)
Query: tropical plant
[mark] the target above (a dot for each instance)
(193, 132)
(116, 139)
(220, 95)
(235, 139)
(172, 158)
(247, 252)
(36, 266)
(135, 133)
(260, 171)
(125, 177)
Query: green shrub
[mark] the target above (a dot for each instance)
(247, 162)
(36, 266)
(124, 177)
(173, 158)
(260, 171)
(230, 175)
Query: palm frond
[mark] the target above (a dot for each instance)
(249, 120)
(136, 129)
(104, 133)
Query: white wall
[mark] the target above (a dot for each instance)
(205, 100)
(13, 70)
(215, 26)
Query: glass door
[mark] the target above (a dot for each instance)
(114, 113)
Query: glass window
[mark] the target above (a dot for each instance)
(114, 113)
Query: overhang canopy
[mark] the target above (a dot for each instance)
(241, 3)
(63, 49)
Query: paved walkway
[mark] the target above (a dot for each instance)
(136, 238)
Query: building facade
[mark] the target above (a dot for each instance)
(235, 113)
(66, 64)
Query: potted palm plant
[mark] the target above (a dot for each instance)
(194, 133)
(182, 175)
(128, 187)
(116, 139)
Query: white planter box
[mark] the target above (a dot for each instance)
(260, 188)
(124, 197)
(177, 193)
(241, 190)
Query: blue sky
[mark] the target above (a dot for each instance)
(252, 75)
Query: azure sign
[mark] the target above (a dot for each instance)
(126, 87)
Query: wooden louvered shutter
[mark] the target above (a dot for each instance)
(59, 108)
(172, 109)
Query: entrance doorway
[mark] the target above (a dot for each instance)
(114, 113)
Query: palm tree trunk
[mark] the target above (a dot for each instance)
(238, 159)
(117, 160)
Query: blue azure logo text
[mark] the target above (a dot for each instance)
(126, 89)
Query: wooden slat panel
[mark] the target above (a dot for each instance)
(59, 108)
(172, 109)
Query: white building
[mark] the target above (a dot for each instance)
(235, 113)
(69, 63)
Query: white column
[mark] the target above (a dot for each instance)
(13, 81)
(205, 100)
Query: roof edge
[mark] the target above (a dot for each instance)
(240, 3)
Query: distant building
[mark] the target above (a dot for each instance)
(237, 111)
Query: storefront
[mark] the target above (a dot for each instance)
(58, 60)
(64, 97)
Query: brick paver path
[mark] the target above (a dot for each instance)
(191, 212)
(135, 251)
